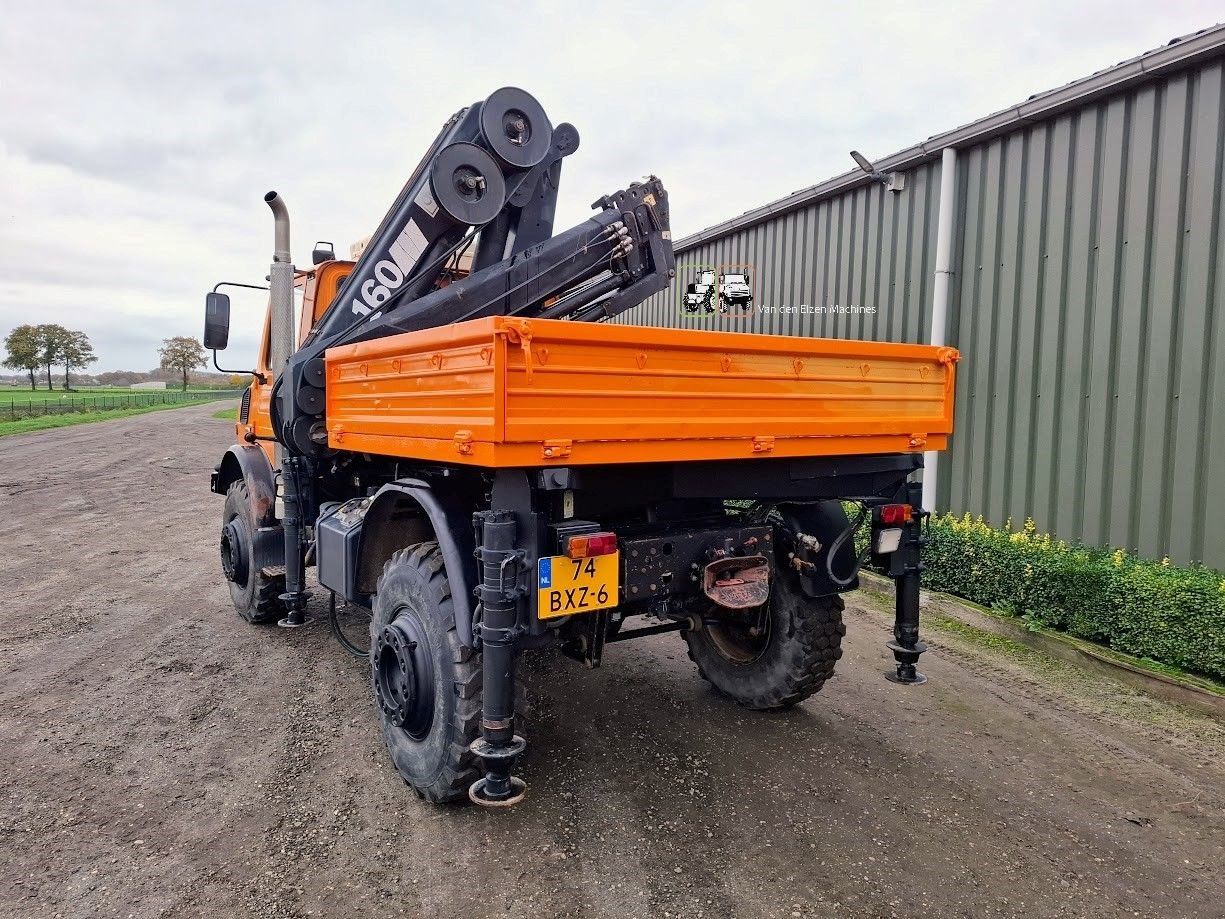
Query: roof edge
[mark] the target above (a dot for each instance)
(1177, 54)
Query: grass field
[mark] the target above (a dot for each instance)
(66, 419)
(25, 394)
(23, 404)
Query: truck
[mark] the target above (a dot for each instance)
(735, 292)
(482, 467)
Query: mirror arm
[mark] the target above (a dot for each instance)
(263, 380)
(221, 284)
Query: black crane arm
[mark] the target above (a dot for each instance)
(598, 269)
(491, 175)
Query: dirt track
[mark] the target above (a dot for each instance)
(159, 757)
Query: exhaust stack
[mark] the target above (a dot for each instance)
(284, 343)
(280, 279)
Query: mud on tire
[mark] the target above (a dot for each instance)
(797, 654)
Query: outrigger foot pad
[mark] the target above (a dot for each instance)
(906, 658)
(296, 605)
(477, 793)
(498, 788)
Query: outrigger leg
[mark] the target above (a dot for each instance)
(295, 595)
(499, 592)
(906, 565)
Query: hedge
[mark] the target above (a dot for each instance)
(1166, 613)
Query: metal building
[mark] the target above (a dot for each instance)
(1083, 253)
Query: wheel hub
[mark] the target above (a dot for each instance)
(742, 639)
(404, 675)
(234, 552)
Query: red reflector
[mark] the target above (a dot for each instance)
(591, 544)
(894, 514)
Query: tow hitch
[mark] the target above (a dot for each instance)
(737, 582)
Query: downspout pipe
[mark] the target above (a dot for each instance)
(940, 295)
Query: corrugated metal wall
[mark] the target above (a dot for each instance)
(1088, 254)
(867, 248)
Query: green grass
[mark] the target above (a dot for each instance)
(883, 592)
(19, 395)
(227, 414)
(24, 405)
(47, 422)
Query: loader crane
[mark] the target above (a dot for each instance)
(488, 467)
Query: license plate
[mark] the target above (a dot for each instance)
(577, 585)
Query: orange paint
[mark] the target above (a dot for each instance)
(503, 391)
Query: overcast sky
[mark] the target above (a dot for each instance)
(137, 140)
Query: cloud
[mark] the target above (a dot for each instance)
(139, 139)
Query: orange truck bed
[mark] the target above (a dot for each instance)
(502, 391)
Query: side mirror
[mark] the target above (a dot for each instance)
(324, 251)
(216, 321)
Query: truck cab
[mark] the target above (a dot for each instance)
(314, 290)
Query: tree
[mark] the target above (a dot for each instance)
(53, 340)
(75, 351)
(120, 378)
(182, 353)
(24, 349)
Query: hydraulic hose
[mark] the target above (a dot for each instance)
(846, 534)
(334, 622)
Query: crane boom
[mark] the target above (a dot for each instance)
(490, 177)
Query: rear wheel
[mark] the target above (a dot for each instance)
(427, 684)
(777, 655)
(255, 594)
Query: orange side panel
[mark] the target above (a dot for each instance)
(508, 392)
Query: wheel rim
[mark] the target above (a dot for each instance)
(234, 552)
(736, 641)
(404, 675)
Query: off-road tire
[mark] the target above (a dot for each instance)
(803, 643)
(258, 601)
(439, 767)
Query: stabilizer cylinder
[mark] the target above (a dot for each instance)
(906, 567)
(498, 746)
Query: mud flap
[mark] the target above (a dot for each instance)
(822, 523)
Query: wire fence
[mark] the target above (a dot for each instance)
(82, 402)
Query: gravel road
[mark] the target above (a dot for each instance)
(159, 757)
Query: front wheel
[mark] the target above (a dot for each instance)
(777, 655)
(254, 593)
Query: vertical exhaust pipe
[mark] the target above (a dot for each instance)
(280, 280)
(284, 342)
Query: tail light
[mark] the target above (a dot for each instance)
(591, 544)
(896, 514)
